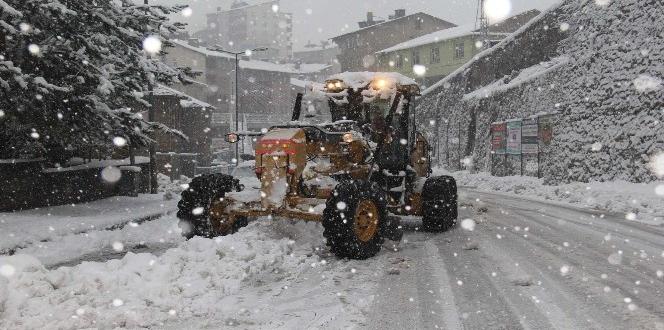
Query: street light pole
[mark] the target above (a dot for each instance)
(152, 167)
(237, 88)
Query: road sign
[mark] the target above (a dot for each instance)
(529, 136)
(498, 138)
(514, 137)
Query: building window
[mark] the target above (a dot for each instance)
(459, 50)
(418, 23)
(435, 55)
(416, 57)
(399, 63)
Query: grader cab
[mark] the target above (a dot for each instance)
(356, 174)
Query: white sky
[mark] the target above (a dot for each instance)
(322, 19)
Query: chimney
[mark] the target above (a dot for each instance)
(218, 9)
(370, 18)
(399, 13)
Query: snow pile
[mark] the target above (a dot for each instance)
(608, 90)
(94, 245)
(143, 290)
(637, 201)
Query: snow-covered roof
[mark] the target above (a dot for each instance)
(501, 28)
(250, 65)
(187, 101)
(451, 33)
(389, 22)
(298, 82)
(314, 67)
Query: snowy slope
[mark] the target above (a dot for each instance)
(609, 92)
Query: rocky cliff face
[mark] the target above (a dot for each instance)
(599, 64)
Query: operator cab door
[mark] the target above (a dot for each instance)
(420, 157)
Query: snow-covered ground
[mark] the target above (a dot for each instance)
(269, 275)
(30, 228)
(524, 256)
(642, 202)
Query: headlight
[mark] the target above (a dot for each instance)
(232, 138)
(347, 137)
(334, 86)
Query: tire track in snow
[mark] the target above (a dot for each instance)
(546, 256)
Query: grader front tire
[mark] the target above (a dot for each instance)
(196, 202)
(353, 218)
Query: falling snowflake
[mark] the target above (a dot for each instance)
(564, 270)
(564, 26)
(119, 141)
(118, 246)
(659, 190)
(2, 113)
(657, 164)
(111, 174)
(152, 45)
(7, 270)
(25, 27)
(275, 8)
(468, 224)
(615, 258)
(630, 216)
(118, 302)
(497, 10)
(187, 12)
(341, 206)
(596, 146)
(34, 49)
(646, 83)
(602, 3)
(419, 69)
(197, 211)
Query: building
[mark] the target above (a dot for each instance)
(358, 48)
(312, 53)
(264, 93)
(246, 26)
(442, 52)
(192, 117)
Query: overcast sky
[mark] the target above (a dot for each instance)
(322, 19)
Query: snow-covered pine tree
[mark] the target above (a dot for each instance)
(71, 70)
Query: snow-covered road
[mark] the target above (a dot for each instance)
(525, 264)
(530, 265)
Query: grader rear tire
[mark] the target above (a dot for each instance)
(353, 219)
(439, 204)
(195, 204)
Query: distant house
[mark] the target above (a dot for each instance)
(190, 116)
(264, 87)
(249, 26)
(444, 51)
(358, 48)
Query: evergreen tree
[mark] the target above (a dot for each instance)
(71, 70)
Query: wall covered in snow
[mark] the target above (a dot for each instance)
(601, 67)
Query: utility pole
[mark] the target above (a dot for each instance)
(237, 88)
(483, 21)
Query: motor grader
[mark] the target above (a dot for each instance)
(357, 173)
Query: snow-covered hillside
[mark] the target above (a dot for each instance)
(609, 91)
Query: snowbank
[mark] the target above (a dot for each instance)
(143, 290)
(637, 201)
